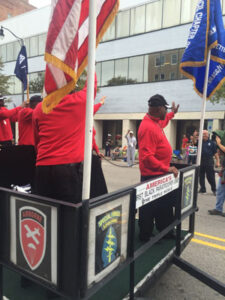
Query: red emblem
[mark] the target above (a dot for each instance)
(32, 235)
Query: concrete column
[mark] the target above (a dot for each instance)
(216, 125)
(98, 125)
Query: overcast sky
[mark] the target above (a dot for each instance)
(40, 3)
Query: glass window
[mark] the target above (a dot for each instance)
(41, 43)
(156, 77)
(147, 68)
(34, 46)
(9, 52)
(172, 75)
(162, 76)
(123, 23)
(171, 12)
(180, 53)
(3, 53)
(18, 86)
(154, 15)
(174, 59)
(110, 33)
(11, 89)
(159, 60)
(27, 45)
(188, 10)
(137, 20)
(17, 48)
(136, 69)
(107, 71)
(121, 69)
(98, 72)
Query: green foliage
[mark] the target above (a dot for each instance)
(4, 80)
(120, 81)
(219, 96)
(36, 85)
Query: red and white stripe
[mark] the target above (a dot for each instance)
(67, 44)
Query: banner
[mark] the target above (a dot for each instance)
(187, 190)
(21, 69)
(155, 189)
(67, 45)
(207, 32)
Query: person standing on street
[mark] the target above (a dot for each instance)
(131, 146)
(209, 150)
(155, 154)
(220, 194)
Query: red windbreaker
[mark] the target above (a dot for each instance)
(59, 135)
(5, 127)
(155, 151)
(26, 134)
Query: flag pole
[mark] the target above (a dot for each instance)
(89, 103)
(203, 109)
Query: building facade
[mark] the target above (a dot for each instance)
(138, 57)
(12, 8)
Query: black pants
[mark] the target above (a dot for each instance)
(107, 150)
(62, 182)
(160, 211)
(207, 170)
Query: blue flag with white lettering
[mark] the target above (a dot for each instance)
(207, 32)
(21, 69)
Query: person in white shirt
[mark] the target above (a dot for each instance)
(131, 146)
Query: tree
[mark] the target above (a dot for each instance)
(4, 80)
(37, 84)
(120, 81)
(219, 96)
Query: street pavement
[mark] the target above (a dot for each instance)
(206, 251)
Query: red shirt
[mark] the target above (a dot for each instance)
(59, 135)
(5, 126)
(184, 143)
(155, 151)
(26, 135)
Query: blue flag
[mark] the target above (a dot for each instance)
(207, 32)
(21, 68)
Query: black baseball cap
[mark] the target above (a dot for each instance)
(158, 100)
(35, 98)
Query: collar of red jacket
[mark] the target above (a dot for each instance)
(153, 118)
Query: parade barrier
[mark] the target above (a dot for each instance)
(91, 250)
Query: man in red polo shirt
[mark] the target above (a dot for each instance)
(24, 118)
(6, 115)
(59, 140)
(155, 155)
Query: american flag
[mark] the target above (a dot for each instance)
(67, 44)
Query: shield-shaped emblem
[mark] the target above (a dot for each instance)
(33, 229)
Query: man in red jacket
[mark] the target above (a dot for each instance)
(6, 115)
(59, 140)
(155, 155)
(26, 135)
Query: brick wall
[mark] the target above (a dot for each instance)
(13, 8)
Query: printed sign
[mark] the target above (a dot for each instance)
(156, 188)
(33, 243)
(108, 236)
(187, 190)
(32, 224)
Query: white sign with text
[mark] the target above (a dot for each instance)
(156, 188)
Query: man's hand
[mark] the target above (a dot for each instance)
(101, 154)
(102, 100)
(175, 108)
(174, 171)
(24, 104)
